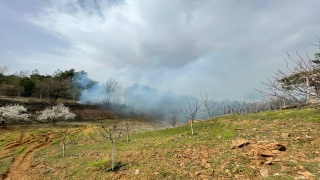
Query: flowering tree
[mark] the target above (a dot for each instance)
(56, 113)
(11, 113)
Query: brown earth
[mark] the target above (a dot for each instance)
(20, 162)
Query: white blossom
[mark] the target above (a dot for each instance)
(13, 112)
(56, 113)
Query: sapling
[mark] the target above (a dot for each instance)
(207, 108)
(66, 140)
(191, 113)
(104, 133)
(173, 119)
(128, 126)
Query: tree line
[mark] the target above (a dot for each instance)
(61, 84)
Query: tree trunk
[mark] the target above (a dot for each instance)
(127, 137)
(191, 127)
(63, 147)
(112, 156)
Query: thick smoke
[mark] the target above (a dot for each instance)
(137, 99)
(142, 99)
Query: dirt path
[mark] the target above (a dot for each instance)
(21, 163)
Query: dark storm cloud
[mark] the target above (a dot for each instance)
(223, 47)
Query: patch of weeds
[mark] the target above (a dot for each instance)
(239, 169)
(57, 156)
(98, 164)
(55, 141)
(188, 166)
(119, 165)
(165, 174)
(228, 134)
(42, 131)
(20, 150)
(281, 176)
(169, 155)
(5, 164)
(222, 157)
(275, 167)
(312, 167)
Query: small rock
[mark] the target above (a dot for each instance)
(309, 137)
(306, 174)
(237, 176)
(280, 147)
(268, 162)
(285, 135)
(275, 151)
(266, 153)
(239, 143)
(277, 160)
(297, 138)
(264, 172)
(269, 158)
(208, 165)
(137, 172)
(203, 162)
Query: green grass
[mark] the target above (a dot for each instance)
(20, 149)
(98, 164)
(304, 115)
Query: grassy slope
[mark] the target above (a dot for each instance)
(174, 153)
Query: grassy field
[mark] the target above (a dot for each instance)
(268, 145)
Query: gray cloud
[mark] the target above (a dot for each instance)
(223, 47)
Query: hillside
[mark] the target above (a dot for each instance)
(268, 145)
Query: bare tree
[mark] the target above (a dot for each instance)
(173, 119)
(123, 112)
(67, 139)
(153, 118)
(230, 109)
(191, 113)
(112, 88)
(56, 86)
(207, 108)
(104, 133)
(128, 126)
(299, 84)
(3, 69)
(277, 102)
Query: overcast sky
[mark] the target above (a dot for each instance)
(225, 47)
